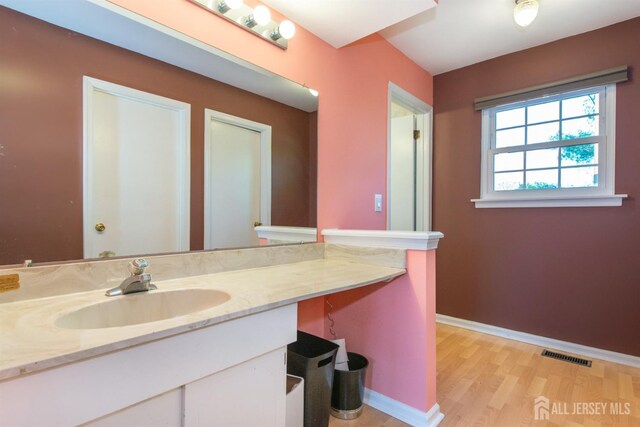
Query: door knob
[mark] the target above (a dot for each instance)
(100, 227)
(257, 224)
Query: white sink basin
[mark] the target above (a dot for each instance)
(142, 307)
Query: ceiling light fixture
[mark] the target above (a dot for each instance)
(525, 12)
(255, 20)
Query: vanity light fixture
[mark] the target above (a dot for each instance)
(255, 20)
(286, 30)
(226, 5)
(261, 15)
(525, 12)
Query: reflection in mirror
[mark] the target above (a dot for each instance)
(41, 149)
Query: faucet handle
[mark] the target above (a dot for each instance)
(138, 265)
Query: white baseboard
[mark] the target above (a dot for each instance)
(403, 412)
(583, 350)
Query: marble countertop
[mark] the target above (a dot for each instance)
(30, 341)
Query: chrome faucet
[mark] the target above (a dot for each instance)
(139, 281)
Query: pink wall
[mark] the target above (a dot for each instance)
(352, 148)
(393, 325)
(352, 119)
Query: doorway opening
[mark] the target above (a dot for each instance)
(409, 162)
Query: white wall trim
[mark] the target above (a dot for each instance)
(401, 96)
(551, 202)
(409, 240)
(91, 85)
(265, 166)
(403, 412)
(288, 234)
(583, 350)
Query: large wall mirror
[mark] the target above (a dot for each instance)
(64, 63)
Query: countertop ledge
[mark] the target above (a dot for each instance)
(30, 341)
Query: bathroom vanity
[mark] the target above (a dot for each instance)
(204, 349)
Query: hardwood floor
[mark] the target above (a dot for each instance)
(370, 417)
(483, 380)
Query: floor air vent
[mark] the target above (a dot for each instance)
(566, 358)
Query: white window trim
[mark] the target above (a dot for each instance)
(603, 195)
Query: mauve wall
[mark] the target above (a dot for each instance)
(566, 273)
(41, 135)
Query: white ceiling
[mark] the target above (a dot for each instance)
(456, 33)
(340, 22)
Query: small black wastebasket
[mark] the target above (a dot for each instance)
(313, 359)
(348, 388)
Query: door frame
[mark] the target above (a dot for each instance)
(265, 166)
(91, 85)
(399, 95)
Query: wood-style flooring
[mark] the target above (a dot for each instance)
(483, 380)
(370, 417)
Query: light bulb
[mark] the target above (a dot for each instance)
(261, 15)
(234, 4)
(313, 92)
(525, 12)
(287, 29)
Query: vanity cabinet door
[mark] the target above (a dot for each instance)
(164, 410)
(252, 393)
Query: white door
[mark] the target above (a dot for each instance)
(136, 172)
(403, 173)
(237, 180)
(409, 162)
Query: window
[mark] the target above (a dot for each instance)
(555, 150)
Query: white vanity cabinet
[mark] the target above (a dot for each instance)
(229, 374)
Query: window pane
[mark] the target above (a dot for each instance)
(543, 112)
(581, 106)
(585, 154)
(510, 118)
(580, 128)
(508, 162)
(537, 180)
(508, 181)
(510, 137)
(547, 158)
(579, 177)
(543, 133)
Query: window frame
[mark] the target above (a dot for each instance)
(601, 195)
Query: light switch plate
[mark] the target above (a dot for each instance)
(378, 203)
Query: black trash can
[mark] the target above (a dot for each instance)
(348, 388)
(313, 358)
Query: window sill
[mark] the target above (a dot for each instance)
(551, 202)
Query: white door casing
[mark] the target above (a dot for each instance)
(237, 187)
(136, 171)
